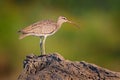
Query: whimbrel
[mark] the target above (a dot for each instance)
(43, 29)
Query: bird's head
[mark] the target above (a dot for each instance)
(62, 19)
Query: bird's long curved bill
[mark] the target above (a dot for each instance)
(76, 25)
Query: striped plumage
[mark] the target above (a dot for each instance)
(41, 28)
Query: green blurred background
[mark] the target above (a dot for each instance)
(97, 41)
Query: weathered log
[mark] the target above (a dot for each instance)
(55, 67)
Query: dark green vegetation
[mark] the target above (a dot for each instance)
(97, 41)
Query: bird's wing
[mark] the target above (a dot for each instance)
(30, 28)
(41, 27)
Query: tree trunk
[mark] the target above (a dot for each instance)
(55, 67)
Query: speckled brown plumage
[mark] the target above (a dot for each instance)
(40, 28)
(43, 29)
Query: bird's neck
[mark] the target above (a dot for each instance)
(59, 23)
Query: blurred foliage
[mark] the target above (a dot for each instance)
(97, 41)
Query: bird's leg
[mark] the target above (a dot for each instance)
(42, 44)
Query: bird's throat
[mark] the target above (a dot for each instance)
(59, 23)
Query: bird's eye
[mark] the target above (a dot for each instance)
(64, 18)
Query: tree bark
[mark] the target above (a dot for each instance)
(55, 67)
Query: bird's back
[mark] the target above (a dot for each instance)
(40, 28)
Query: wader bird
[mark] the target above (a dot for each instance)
(43, 29)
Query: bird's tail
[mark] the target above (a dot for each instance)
(22, 35)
